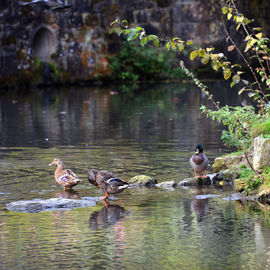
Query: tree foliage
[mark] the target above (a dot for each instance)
(133, 64)
(256, 84)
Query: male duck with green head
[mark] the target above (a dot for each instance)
(199, 161)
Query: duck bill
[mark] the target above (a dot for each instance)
(51, 164)
(197, 151)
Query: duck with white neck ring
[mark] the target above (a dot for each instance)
(199, 161)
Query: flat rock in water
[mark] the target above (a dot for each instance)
(38, 205)
(167, 185)
(206, 196)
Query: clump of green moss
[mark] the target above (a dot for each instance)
(261, 129)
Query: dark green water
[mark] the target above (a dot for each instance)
(151, 132)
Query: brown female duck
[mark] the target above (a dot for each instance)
(65, 177)
(107, 182)
(199, 161)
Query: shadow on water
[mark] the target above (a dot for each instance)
(149, 132)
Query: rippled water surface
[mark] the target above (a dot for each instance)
(149, 132)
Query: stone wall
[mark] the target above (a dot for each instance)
(44, 43)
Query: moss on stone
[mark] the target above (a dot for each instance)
(227, 162)
(143, 180)
(239, 185)
(219, 164)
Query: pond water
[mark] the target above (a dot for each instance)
(151, 130)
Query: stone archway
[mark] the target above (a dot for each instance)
(43, 44)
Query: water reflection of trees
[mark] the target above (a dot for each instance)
(152, 114)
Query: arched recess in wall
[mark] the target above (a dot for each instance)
(44, 44)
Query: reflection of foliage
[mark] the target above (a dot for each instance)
(153, 98)
(134, 64)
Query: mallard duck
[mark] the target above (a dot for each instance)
(199, 161)
(65, 177)
(107, 182)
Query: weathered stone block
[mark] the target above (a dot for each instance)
(261, 156)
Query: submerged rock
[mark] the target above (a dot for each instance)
(233, 197)
(38, 205)
(261, 154)
(196, 181)
(143, 180)
(167, 185)
(206, 196)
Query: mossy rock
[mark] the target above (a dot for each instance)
(219, 164)
(230, 175)
(196, 181)
(227, 162)
(239, 185)
(143, 180)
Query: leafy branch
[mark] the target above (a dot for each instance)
(257, 44)
(218, 61)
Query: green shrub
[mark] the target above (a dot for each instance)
(134, 64)
(239, 121)
(252, 181)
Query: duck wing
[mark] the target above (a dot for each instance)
(115, 185)
(99, 178)
(68, 176)
(116, 182)
(71, 173)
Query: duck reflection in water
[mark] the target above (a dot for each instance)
(106, 217)
(68, 194)
(200, 206)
